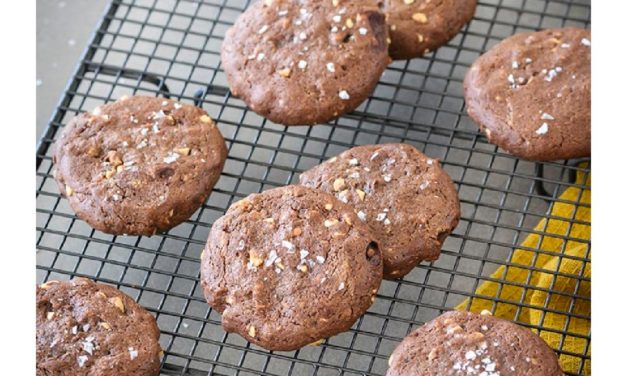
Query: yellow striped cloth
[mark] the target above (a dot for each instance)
(558, 268)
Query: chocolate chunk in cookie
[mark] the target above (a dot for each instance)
(289, 267)
(140, 165)
(308, 61)
(463, 343)
(530, 94)
(418, 27)
(87, 328)
(406, 198)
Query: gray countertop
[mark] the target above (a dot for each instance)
(64, 28)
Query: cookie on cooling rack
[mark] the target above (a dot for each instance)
(140, 165)
(463, 343)
(530, 94)
(308, 61)
(289, 267)
(87, 328)
(406, 198)
(418, 27)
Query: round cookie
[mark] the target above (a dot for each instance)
(308, 61)
(464, 343)
(87, 328)
(530, 94)
(407, 199)
(289, 267)
(139, 165)
(418, 27)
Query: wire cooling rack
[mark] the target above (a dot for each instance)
(171, 48)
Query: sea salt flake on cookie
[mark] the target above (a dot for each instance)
(544, 128)
(132, 353)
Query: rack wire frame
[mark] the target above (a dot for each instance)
(170, 48)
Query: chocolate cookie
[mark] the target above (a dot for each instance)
(307, 61)
(87, 328)
(407, 199)
(418, 27)
(530, 94)
(463, 343)
(289, 267)
(139, 165)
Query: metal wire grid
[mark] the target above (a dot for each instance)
(171, 48)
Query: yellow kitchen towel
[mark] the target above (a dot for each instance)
(556, 276)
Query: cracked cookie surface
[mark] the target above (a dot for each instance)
(406, 198)
(139, 165)
(87, 328)
(305, 62)
(289, 267)
(530, 94)
(418, 27)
